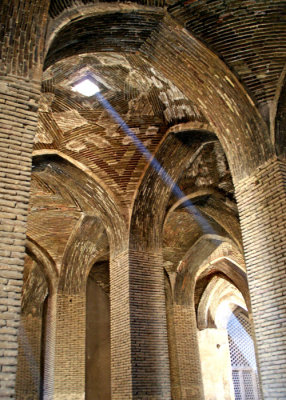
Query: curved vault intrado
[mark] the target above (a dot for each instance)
(150, 205)
(40, 278)
(223, 29)
(42, 257)
(215, 91)
(218, 291)
(87, 195)
(35, 288)
(87, 244)
(213, 206)
(207, 257)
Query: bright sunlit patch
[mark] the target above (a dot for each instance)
(86, 87)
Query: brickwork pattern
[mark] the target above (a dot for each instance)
(223, 27)
(174, 365)
(262, 206)
(57, 7)
(149, 341)
(121, 378)
(29, 358)
(140, 361)
(50, 347)
(221, 107)
(188, 352)
(69, 365)
(18, 123)
(139, 345)
(21, 37)
(21, 56)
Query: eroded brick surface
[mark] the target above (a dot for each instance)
(199, 83)
(261, 201)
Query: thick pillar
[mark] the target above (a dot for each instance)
(174, 364)
(50, 346)
(18, 124)
(28, 385)
(121, 375)
(69, 356)
(262, 208)
(139, 344)
(21, 47)
(188, 352)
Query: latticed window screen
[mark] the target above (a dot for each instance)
(243, 363)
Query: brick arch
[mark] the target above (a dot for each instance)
(39, 288)
(216, 92)
(91, 197)
(223, 256)
(100, 182)
(58, 7)
(216, 291)
(87, 243)
(90, 40)
(44, 259)
(223, 218)
(77, 12)
(41, 281)
(175, 153)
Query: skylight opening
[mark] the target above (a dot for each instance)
(86, 87)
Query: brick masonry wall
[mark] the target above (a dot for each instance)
(50, 346)
(121, 377)
(18, 123)
(149, 341)
(139, 346)
(173, 357)
(21, 37)
(29, 358)
(188, 352)
(69, 365)
(262, 207)
(21, 53)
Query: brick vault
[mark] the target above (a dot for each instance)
(143, 228)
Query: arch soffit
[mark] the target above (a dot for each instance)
(236, 120)
(166, 153)
(217, 291)
(87, 243)
(80, 166)
(104, 203)
(45, 260)
(190, 126)
(226, 219)
(77, 13)
(173, 155)
(223, 257)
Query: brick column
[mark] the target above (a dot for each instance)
(173, 356)
(262, 207)
(18, 123)
(21, 47)
(69, 357)
(50, 346)
(188, 352)
(29, 358)
(139, 345)
(121, 375)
